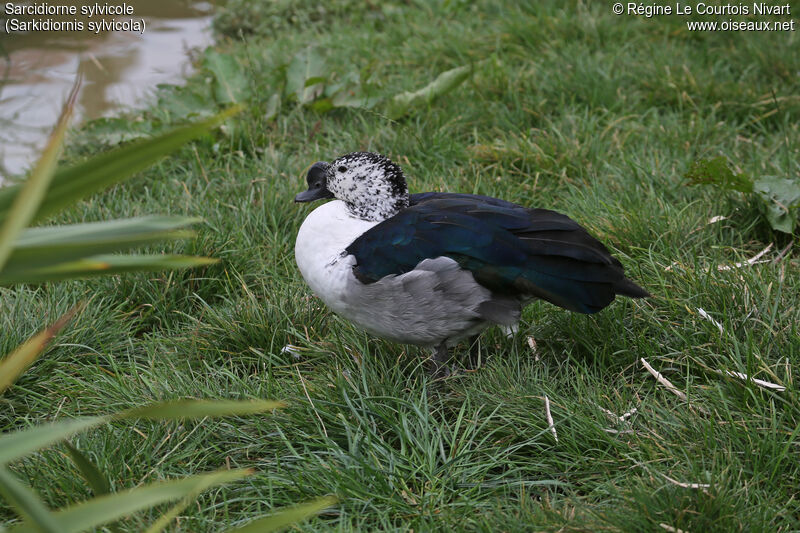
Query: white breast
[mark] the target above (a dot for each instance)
(321, 241)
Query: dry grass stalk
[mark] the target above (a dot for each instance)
(664, 381)
(708, 317)
(686, 485)
(669, 528)
(759, 382)
(550, 418)
(753, 260)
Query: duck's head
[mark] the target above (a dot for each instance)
(371, 185)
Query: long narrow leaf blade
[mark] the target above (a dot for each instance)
(287, 517)
(84, 179)
(13, 365)
(26, 503)
(96, 480)
(32, 192)
(165, 519)
(105, 231)
(187, 409)
(20, 443)
(111, 507)
(26, 441)
(105, 265)
(46, 246)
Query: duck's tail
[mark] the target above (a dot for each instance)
(626, 287)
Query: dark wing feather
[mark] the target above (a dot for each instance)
(509, 249)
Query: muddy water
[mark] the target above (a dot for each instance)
(119, 67)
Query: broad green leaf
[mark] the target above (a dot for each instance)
(405, 102)
(32, 191)
(96, 480)
(231, 84)
(185, 409)
(26, 441)
(352, 91)
(111, 507)
(287, 517)
(305, 73)
(717, 172)
(185, 101)
(350, 79)
(84, 179)
(273, 106)
(111, 131)
(321, 105)
(352, 98)
(15, 363)
(314, 80)
(25, 502)
(45, 246)
(104, 265)
(782, 202)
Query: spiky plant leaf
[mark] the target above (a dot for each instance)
(22, 442)
(27, 200)
(111, 507)
(100, 172)
(38, 248)
(187, 409)
(15, 363)
(27, 503)
(96, 480)
(287, 517)
(104, 265)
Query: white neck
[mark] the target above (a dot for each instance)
(322, 239)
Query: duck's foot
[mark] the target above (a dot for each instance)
(438, 367)
(473, 360)
(510, 331)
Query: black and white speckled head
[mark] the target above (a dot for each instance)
(370, 184)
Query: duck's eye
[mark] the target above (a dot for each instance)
(342, 169)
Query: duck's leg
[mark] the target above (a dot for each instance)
(510, 331)
(473, 359)
(438, 365)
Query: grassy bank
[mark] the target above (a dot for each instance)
(568, 107)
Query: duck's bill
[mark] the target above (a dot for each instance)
(313, 194)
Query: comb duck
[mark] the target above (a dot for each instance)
(434, 268)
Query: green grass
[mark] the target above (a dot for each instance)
(571, 108)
